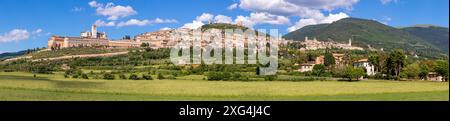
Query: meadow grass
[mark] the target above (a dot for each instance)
(23, 86)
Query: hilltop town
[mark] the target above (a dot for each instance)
(162, 39)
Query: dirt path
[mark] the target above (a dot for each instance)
(17, 58)
(82, 56)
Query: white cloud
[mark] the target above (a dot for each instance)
(198, 22)
(334, 17)
(385, 2)
(261, 18)
(15, 35)
(304, 8)
(101, 23)
(249, 21)
(309, 11)
(324, 4)
(77, 9)
(194, 25)
(232, 6)
(385, 20)
(222, 19)
(37, 31)
(268, 18)
(312, 21)
(113, 12)
(244, 20)
(134, 22)
(166, 28)
(205, 17)
(95, 4)
(160, 21)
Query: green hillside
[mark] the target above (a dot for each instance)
(222, 26)
(368, 32)
(437, 36)
(8, 55)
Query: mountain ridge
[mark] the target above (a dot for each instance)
(365, 32)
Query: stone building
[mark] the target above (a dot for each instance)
(368, 68)
(158, 39)
(314, 44)
(306, 66)
(89, 39)
(338, 58)
(92, 38)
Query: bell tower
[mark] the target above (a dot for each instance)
(94, 31)
(350, 42)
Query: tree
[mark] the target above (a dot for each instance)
(310, 57)
(395, 62)
(412, 70)
(318, 69)
(144, 45)
(287, 64)
(329, 59)
(257, 70)
(426, 67)
(441, 68)
(424, 70)
(378, 61)
(351, 73)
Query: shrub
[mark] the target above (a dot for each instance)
(122, 76)
(214, 76)
(75, 76)
(270, 77)
(108, 76)
(243, 78)
(84, 76)
(160, 76)
(69, 72)
(147, 77)
(306, 79)
(8, 70)
(96, 77)
(79, 72)
(170, 77)
(133, 77)
(237, 76)
(226, 76)
(318, 70)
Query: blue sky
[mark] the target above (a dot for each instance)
(29, 23)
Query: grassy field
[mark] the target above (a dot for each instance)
(23, 86)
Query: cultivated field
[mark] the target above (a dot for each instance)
(23, 86)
